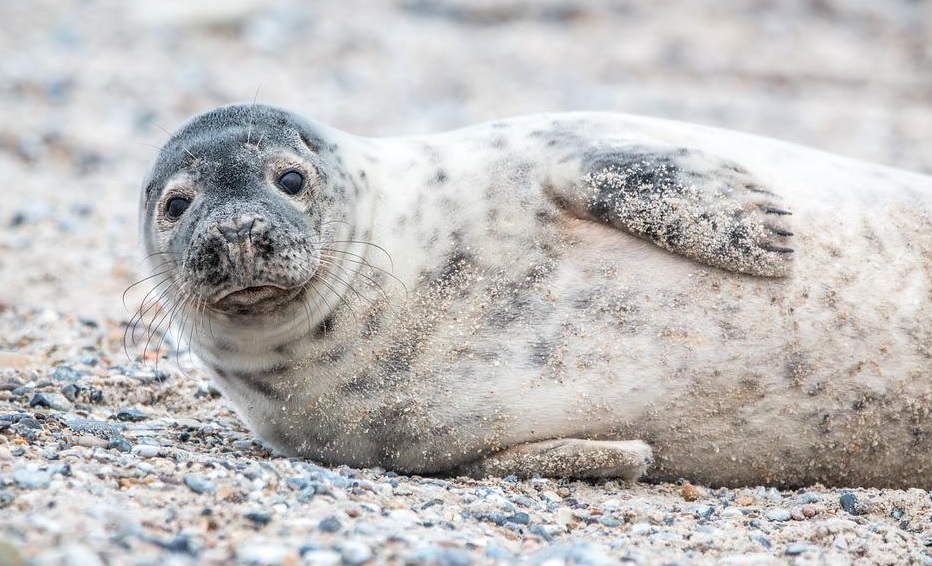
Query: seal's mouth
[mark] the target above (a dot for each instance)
(260, 298)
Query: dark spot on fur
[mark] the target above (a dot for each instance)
(797, 368)
(401, 357)
(541, 351)
(256, 383)
(440, 177)
(372, 324)
(514, 308)
(455, 265)
(324, 328)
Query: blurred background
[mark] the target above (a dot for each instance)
(90, 88)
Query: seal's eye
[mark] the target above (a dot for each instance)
(291, 182)
(175, 207)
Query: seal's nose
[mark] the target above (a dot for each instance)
(237, 230)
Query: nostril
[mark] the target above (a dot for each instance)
(238, 230)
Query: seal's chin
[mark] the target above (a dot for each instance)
(258, 299)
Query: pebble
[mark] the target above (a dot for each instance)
(330, 525)
(849, 502)
(88, 441)
(31, 478)
(70, 391)
(6, 498)
(564, 517)
(67, 373)
(519, 518)
(355, 553)
(120, 444)
(440, 555)
(146, 450)
(131, 415)
(779, 514)
(55, 401)
(732, 513)
(689, 492)
(258, 518)
(198, 484)
(321, 557)
(796, 549)
(266, 554)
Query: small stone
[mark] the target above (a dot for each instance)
(540, 531)
(39, 400)
(355, 553)
(763, 541)
(519, 518)
(641, 529)
(744, 500)
(809, 511)
(259, 518)
(732, 513)
(5, 454)
(31, 478)
(330, 525)
(610, 505)
(779, 514)
(550, 496)
(120, 444)
(564, 517)
(88, 441)
(66, 373)
(497, 518)
(22, 391)
(55, 401)
(146, 450)
(796, 549)
(265, 553)
(403, 517)
(436, 554)
(321, 557)
(609, 522)
(689, 492)
(704, 512)
(131, 415)
(70, 391)
(849, 502)
(198, 484)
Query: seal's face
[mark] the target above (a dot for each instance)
(235, 214)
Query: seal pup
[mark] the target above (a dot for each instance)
(579, 294)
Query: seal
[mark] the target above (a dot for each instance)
(577, 294)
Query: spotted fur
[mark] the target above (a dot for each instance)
(569, 294)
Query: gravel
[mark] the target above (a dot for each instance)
(109, 457)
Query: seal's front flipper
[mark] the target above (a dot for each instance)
(567, 458)
(686, 201)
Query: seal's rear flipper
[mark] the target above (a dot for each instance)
(567, 458)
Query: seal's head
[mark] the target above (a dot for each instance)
(235, 212)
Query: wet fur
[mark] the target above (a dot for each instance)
(568, 276)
